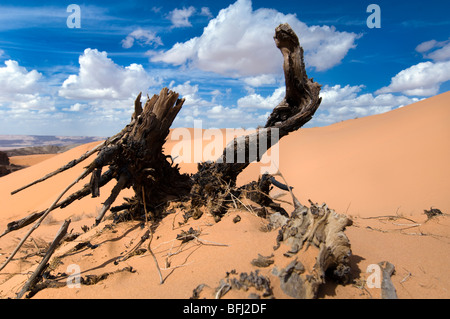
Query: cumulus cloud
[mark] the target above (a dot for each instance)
(20, 89)
(206, 12)
(423, 79)
(343, 103)
(238, 42)
(441, 54)
(180, 17)
(259, 80)
(256, 101)
(100, 78)
(189, 93)
(16, 79)
(205, 108)
(338, 103)
(434, 50)
(209, 112)
(141, 36)
(219, 116)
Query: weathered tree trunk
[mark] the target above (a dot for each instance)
(297, 108)
(138, 157)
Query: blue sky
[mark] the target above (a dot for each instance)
(219, 55)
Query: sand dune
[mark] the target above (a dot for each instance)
(377, 165)
(29, 160)
(392, 164)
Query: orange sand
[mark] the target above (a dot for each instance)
(29, 160)
(390, 164)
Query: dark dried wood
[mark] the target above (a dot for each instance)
(123, 180)
(37, 274)
(297, 108)
(387, 287)
(62, 169)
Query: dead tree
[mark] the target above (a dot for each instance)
(134, 157)
(296, 109)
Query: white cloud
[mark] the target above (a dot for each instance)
(441, 54)
(213, 114)
(239, 43)
(206, 12)
(100, 78)
(16, 79)
(343, 103)
(180, 17)
(338, 104)
(219, 116)
(32, 101)
(423, 79)
(185, 89)
(178, 55)
(20, 89)
(259, 80)
(156, 9)
(216, 94)
(77, 107)
(426, 46)
(437, 51)
(256, 101)
(141, 36)
(189, 93)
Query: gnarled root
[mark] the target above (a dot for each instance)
(323, 229)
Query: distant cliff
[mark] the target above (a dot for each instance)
(5, 167)
(4, 160)
(8, 142)
(16, 145)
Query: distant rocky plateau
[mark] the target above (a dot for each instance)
(19, 145)
(5, 166)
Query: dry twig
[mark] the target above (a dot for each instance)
(161, 280)
(43, 264)
(38, 223)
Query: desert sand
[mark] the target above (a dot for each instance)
(383, 171)
(29, 160)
